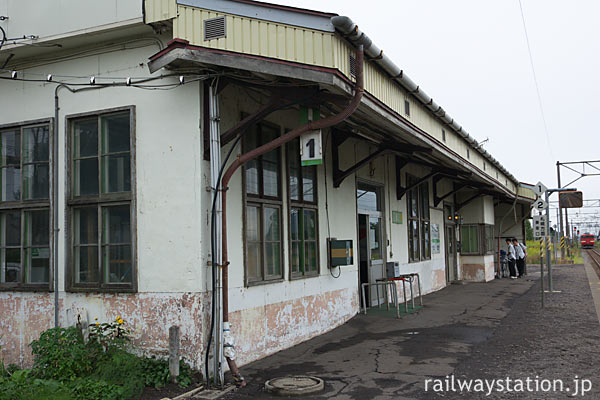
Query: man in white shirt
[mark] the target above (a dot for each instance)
(512, 259)
(521, 252)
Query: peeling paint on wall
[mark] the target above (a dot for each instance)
(149, 315)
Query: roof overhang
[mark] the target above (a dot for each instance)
(179, 55)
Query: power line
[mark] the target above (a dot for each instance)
(537, 89)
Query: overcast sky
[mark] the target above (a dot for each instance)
(471, 57)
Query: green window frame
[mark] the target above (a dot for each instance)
(101, 200)
(25, 182)
(303, 215)
(418, 221)
(263, 240)
(477, 239)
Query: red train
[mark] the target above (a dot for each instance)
(587, 241)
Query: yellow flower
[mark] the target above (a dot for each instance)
(97, 323)
(95, 319)
(120, 321)
(118, 317)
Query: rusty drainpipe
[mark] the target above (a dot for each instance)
(280, 141)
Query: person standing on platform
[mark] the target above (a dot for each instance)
(512, 259)
(520, 253)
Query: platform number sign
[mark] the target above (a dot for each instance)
(311, 148)
(540, 204)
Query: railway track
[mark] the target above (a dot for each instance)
(595, 257)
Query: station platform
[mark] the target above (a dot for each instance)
(473, 331)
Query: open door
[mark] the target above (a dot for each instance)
(371, 240)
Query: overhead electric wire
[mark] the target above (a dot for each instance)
(537, 88)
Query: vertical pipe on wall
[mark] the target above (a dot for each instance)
(215, 164)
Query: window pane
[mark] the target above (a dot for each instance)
(86, 264)
(86, 177)
(295, 224)
(367, 200)
(375, 238)
(251, 167)
(425, 240)
(271, 224)
(12, 265)
(270, 178)
(11, 183)
(413, 240)
(86, 138)
(36, 184)
(10, 151)
(308, 183)
(253, 263)
(36, 144)
(253, 243)
(252, 177)
(310, 256)
(118, 264)
(11, 228)
(273, 258)
(270, 163)
(38, 260)
(117, 225)
(294, 181)
(413, 205)
(38, 228)
(424, 197)
(116, 173)
(296, 257)
(85, 221)
(310, 224)
(115, 133)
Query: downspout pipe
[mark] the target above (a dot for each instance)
(350, 30)
(274, 144)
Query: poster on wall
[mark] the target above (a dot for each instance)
(435, 238)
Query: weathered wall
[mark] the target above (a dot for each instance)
(478, 268)
(170, 187)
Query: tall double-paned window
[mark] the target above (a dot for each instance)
(25, 206)
(304, 259)
(419, 225)
(262, 186)
(101, 201)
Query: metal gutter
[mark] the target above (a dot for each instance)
(350, 30)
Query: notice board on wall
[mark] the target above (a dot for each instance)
(435, 238)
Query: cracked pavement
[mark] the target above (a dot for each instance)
(475, 330)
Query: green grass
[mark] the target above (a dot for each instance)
(533, 254)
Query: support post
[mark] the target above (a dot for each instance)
(548, 255)
(174, 353)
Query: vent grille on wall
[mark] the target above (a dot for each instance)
(214, 28)
(352, 66)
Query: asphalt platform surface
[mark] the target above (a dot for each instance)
(471, 332)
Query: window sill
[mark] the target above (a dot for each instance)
(101, 290)
(266, 282)
(306, 276)
(22, 288)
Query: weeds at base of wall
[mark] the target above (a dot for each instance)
(68, 368)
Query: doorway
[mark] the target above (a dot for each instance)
(450, 243)
(370, 239)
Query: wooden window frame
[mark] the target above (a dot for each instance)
(420, 220)
(24, 206)
(302, 205)
(260, 200)
(100, 201)
(482, 239)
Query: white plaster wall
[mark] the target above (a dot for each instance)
(50, 18)
(168, 159)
